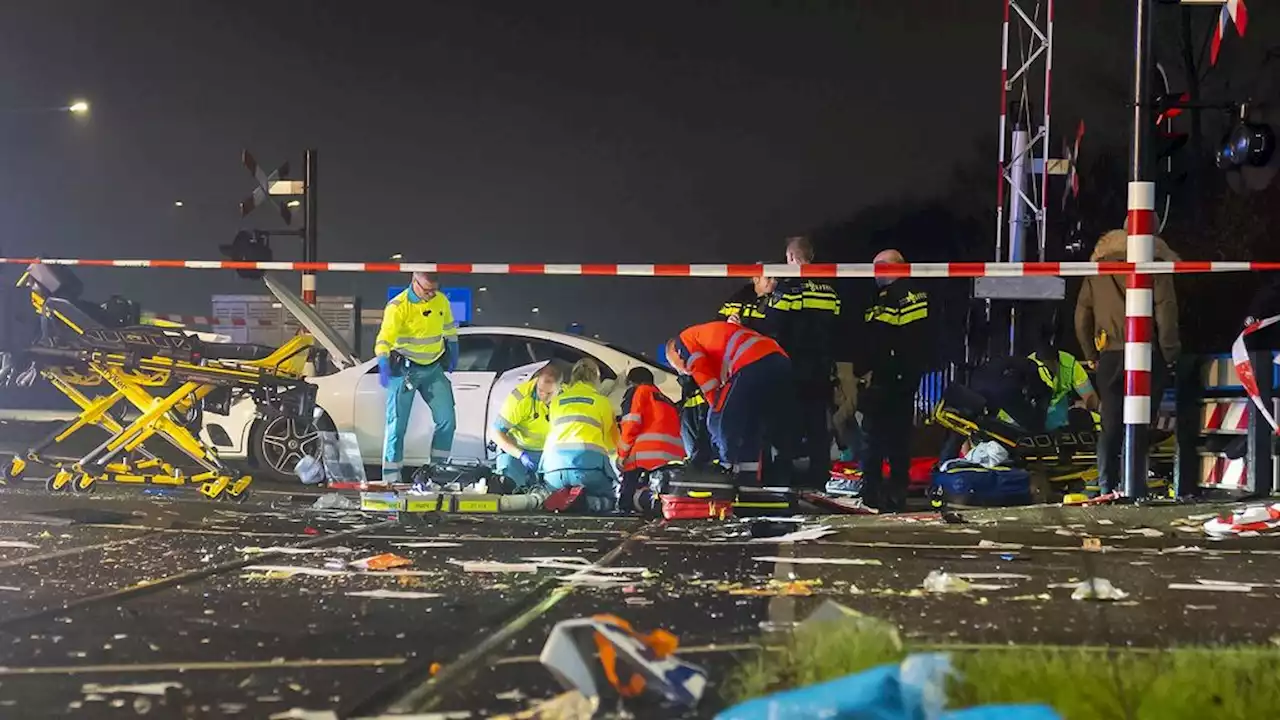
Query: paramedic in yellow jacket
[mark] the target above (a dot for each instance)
(417, 344)
(520, 430)
(582, 436)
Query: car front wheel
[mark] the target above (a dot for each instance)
(280, 442)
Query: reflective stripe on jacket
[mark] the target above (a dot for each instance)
(713, 352)
(524, 417)
(582, 432)
(649, 435)
(417, 329)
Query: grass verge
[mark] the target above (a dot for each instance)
(1080, 683)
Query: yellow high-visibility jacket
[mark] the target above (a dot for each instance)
(417, 329)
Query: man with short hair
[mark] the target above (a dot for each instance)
(896, 351)
(802, 315)
(417, 344)
(520, 430)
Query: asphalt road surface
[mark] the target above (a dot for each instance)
(123, 588)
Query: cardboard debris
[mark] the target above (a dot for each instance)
(588, 654)
(157, 689)
(817, 560)
(385, 561)
(1098, 589)
(802, 535)
(394, 594)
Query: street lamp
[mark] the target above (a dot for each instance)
(177, 203)
(398, 257)
(78, 107)
(534, 310)
(482, 288)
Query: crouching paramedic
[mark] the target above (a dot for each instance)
(520, 430)
(417, 344)
(747, 380)
(648, 437)
(581, 438)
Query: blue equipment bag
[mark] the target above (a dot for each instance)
(976, 485)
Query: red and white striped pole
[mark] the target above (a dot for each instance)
(1141, 224)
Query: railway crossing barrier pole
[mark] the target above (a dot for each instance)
(1141, 225)
(1258, 453)
(310, 175)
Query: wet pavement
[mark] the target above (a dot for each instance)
(246, 611)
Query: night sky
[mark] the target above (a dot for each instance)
(507, 131)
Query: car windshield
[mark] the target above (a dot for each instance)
(636, 356)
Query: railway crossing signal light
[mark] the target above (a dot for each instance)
(1167, 145)
(248, 246)
(1247, 153)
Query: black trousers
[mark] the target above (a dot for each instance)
(813, 432)
(696, 434)
(1111, 394)
(887, 414)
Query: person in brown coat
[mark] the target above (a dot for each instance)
(1100, 323)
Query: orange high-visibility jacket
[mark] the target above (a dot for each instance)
(650, 436)
(715, 351)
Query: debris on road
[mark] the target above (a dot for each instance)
(384, 561)
(277, 572)
(993, 545)
(286, 550)
(1098, 589)
(394, 594)
(818, 560)
(427, 544)
(940, 582)
(486, 566)
(157, 689)
(581, 652)
(773, 588)
(833, 613)
(334, 501)
(1218, 585)
(813, 533)
(572, 705)
(17, 544)
(1245, 522)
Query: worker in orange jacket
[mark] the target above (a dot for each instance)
(746, 377)
(649, 437)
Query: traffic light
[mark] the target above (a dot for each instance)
(1247, 154)
(248, 246)
(1167, 145)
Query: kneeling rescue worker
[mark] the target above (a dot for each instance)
(520, 430)
(747, 380)
(648, 438)
(417, 344)
(580, 440)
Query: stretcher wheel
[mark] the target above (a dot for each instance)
(59, 482)
(83, 483)
(16, 468)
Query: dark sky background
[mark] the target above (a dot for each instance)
(507, 131)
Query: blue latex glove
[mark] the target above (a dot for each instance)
(384, 370)
(528, 462)
(451, 355)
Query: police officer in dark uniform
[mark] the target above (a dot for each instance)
(802, 316)
(896, 351)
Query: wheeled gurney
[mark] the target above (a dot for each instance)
(104, 361)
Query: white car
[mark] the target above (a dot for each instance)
(491, 362)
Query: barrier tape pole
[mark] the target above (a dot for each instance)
(1138, 355)
(827, 270)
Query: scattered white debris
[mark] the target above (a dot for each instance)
(11, 588)
(156, 688)
(427, 544)
(941, 582)
(1145, 532)
(1098, 589)
(485, 566)
(334, 501)
(993, 545)
(394, 594)
(992, 576)
(802, 535)
(1104, 521)
(291, 570)
(511, 695)
(1182, 549)
(817, 560)
(17, 544)
(284, 550)
(300, 714)
(1232, 587)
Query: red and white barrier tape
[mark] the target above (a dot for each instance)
(1246, 371)
(842, 270)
